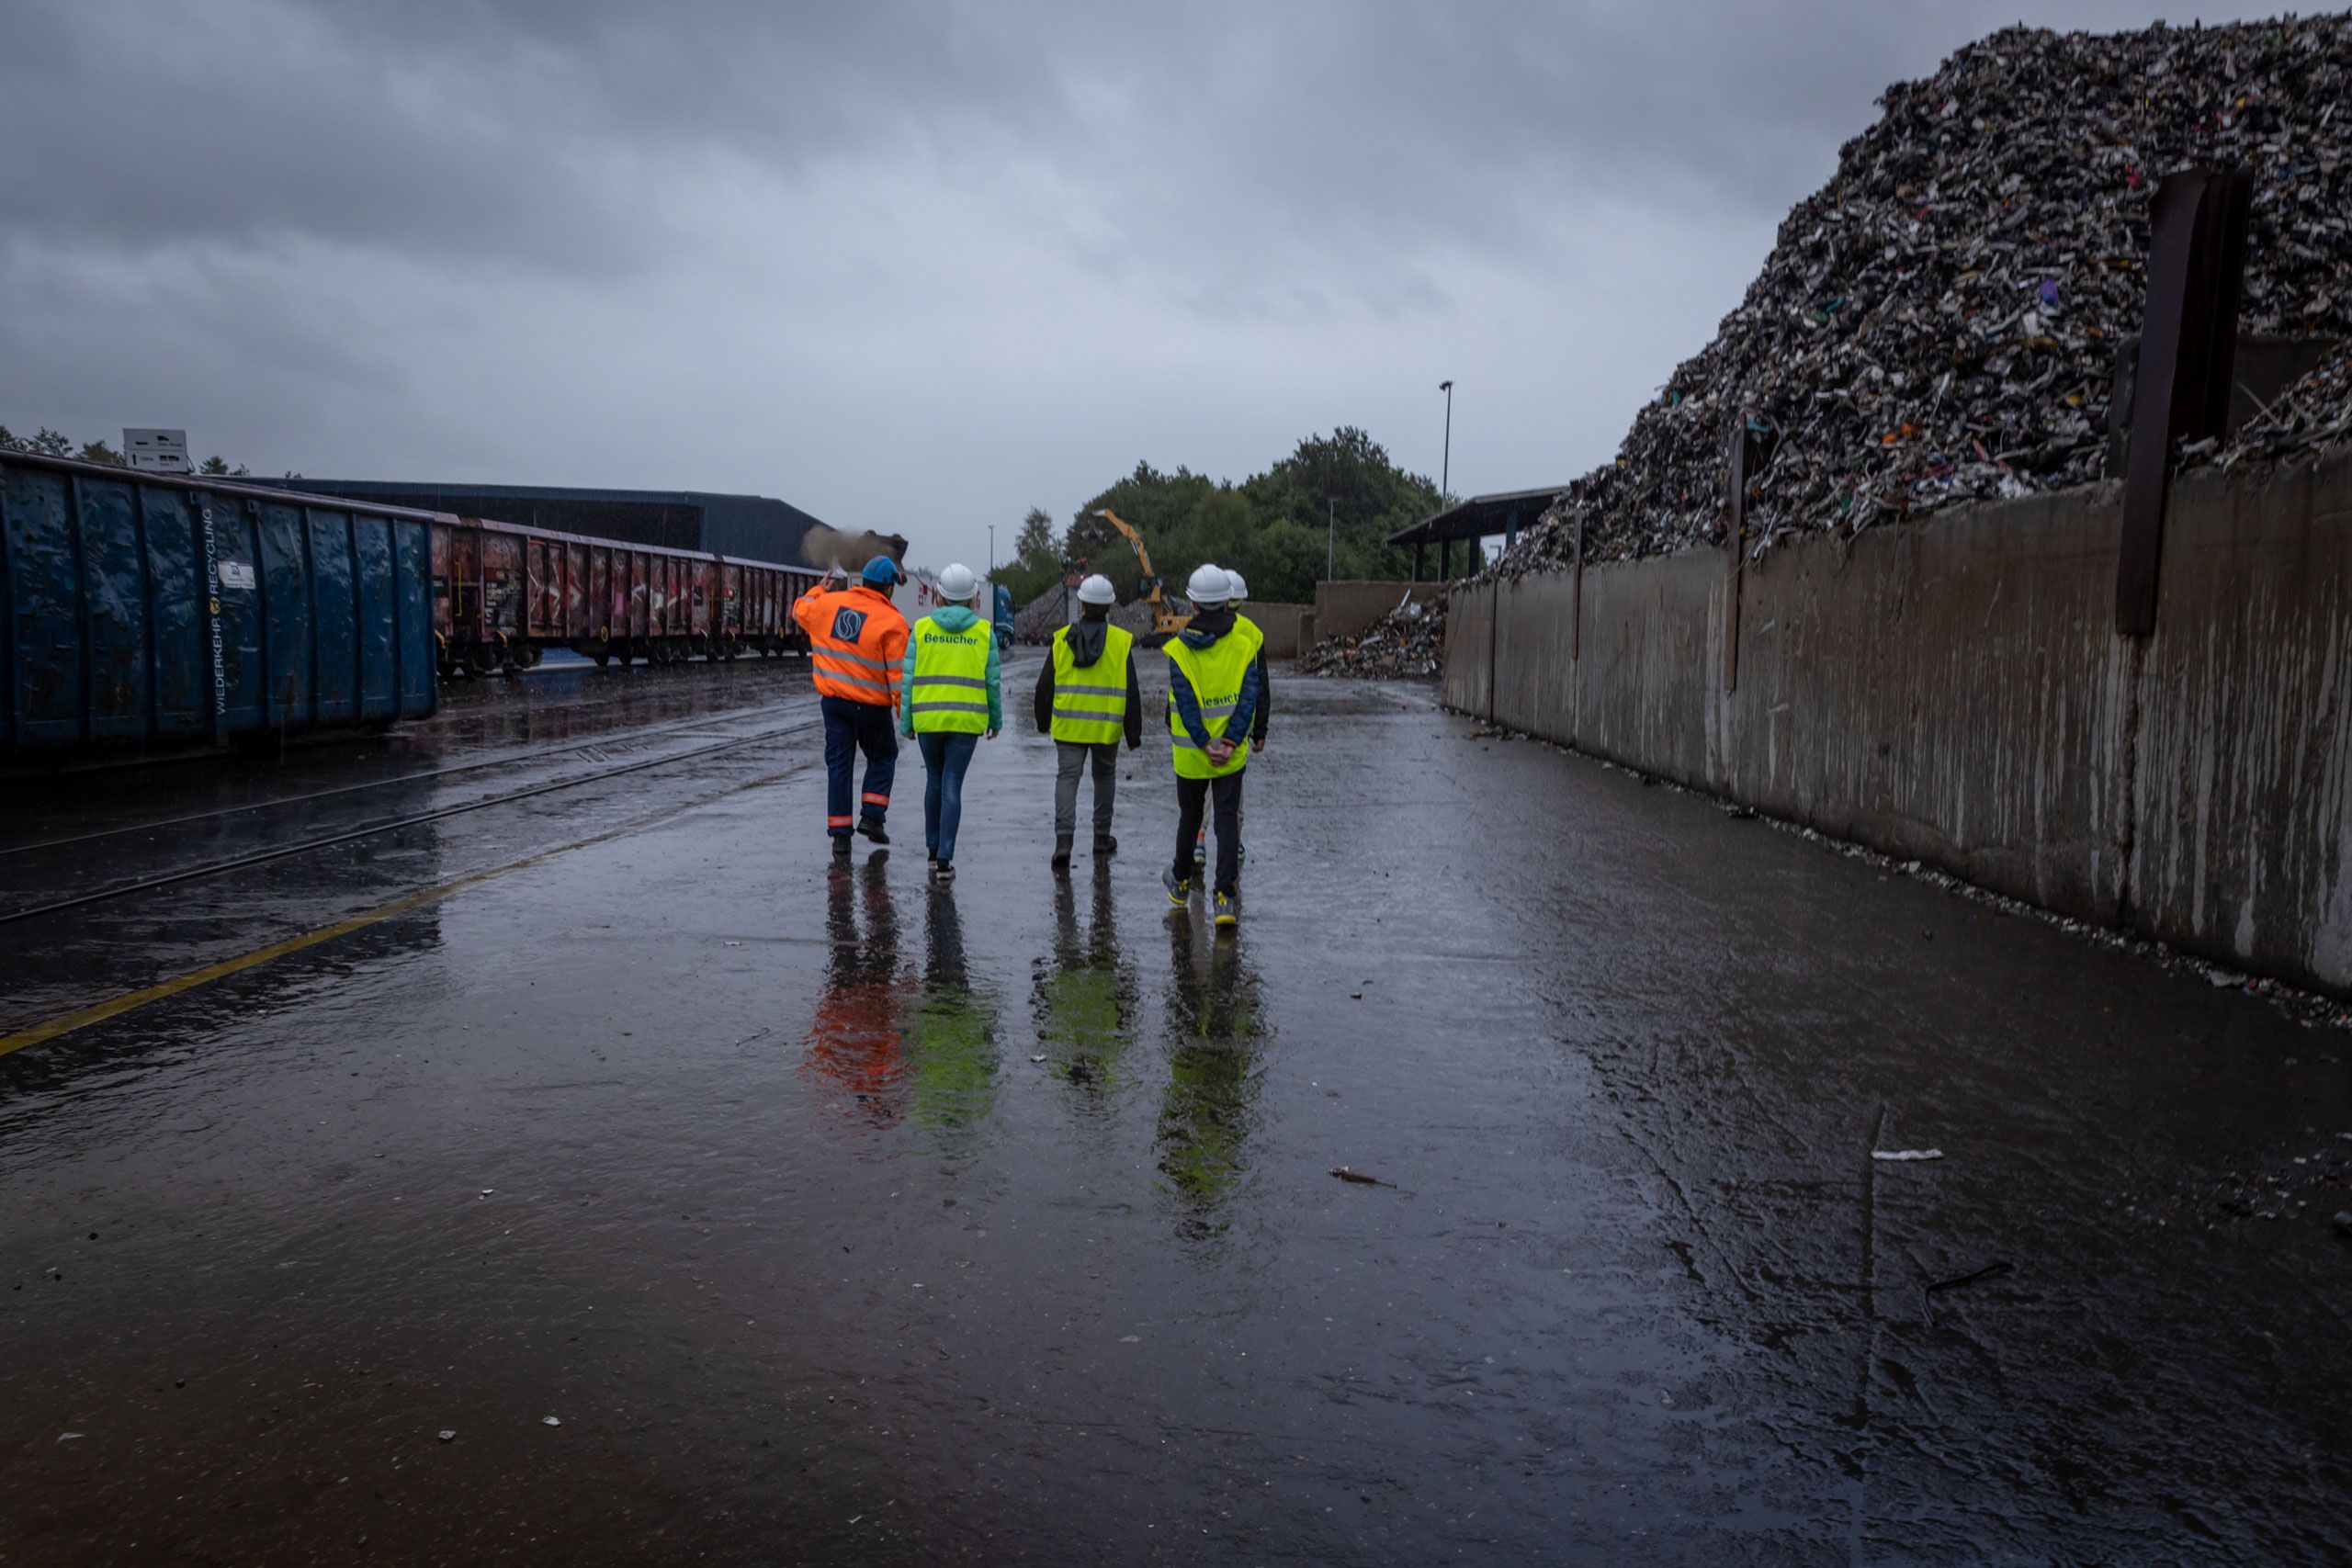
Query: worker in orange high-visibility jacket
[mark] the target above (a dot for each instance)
(856, 638)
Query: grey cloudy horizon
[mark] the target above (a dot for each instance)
(914, 267)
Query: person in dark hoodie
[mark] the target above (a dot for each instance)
(1213, 695)
(1258, 722)
(1087, 697)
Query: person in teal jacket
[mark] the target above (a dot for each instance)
(948, 666)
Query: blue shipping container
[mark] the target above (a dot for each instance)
(159, 612)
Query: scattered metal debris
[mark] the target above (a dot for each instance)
(1408, 641)
(1344, 1174)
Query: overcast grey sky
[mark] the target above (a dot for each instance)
(915, 267)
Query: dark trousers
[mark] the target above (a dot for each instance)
(851, 728)
(1071, 761)
(1193, 795)
(945, 755)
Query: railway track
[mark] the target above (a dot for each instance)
(506, 760)
(352, 835)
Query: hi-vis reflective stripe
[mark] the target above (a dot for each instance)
(856, 680)
(873, 799)
(822, 651)
(1119, 692)
(951, 680)
(947, 707)
(1219, 710)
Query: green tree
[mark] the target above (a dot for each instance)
(215, 464)
(1036, 565)
(99, 452)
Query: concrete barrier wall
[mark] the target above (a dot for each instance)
(1289, 629)
(1344, 609)
(1955, 691)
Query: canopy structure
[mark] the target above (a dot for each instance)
(1505, 513)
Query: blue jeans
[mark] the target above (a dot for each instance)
(851, 728)
(945, 755)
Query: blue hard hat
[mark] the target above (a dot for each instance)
(882, 571)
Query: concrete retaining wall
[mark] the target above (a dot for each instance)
(1289, 629)
(1344, 609)
(1955, 691)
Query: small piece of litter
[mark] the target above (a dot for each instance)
(67, 1436)
(549, 1421)
(855, 1517)
(1344, 1174)
(1906, 1154)
(448, 1434)
(734, 945)
(1038, 1057)
(1130, 1338)
(487, 1190)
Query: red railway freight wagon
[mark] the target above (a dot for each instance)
(502, 594)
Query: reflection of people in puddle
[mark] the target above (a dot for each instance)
(855, 1040)
(951, 1029)
(1085, 998)
(1215, 1029)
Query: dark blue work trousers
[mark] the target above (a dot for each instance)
(851, 728)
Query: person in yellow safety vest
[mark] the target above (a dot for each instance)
(856, 639)
(954, 694)
(1087, 699)
(1257, 724)
(1212, 693)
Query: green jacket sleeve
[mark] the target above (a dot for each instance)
(907, 686)
(996, 689)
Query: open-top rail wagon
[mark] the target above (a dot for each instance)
(504, 594)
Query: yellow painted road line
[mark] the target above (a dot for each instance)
(66, 1024)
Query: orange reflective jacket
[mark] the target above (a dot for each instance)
(856, 638)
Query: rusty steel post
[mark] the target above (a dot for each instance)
(2188, 350)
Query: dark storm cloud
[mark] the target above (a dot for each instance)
(543, 133)
(773, 246)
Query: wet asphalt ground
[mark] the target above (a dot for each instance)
(726, 1205)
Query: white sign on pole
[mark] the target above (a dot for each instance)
(156, 451)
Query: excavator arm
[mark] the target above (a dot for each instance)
(1164, 624)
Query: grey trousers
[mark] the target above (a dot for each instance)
(1073, 759)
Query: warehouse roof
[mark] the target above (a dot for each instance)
(1503, 512)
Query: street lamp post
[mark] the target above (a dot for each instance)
(1446, 471)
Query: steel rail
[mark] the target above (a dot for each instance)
(284, 851)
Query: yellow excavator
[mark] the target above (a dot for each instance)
(1165, 623)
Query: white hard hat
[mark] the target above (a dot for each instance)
(956, 583)
(1240, 588)
(1210, 585)
(1097, 589)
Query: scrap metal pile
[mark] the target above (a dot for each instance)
(2313, 415)
(1938, 322)
(1408, 641)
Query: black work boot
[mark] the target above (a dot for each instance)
(1105, 845)
(871, 828)
(1061, 852)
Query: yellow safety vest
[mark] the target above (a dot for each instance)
(950, 689)
(1216, 675)
(1092, 714)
